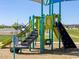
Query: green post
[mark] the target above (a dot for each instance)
(30, 48)
(41, 29)
(33, 45)
(14, 40)
(49, 15)
(52, 26)
(30, 31)
(59, 20)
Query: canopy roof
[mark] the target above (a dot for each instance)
(47, 1)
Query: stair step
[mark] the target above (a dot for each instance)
(24, 43)
(31, 38)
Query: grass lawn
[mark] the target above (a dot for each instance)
(73, 33)
(5, 38)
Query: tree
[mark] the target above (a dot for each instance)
(16, 26)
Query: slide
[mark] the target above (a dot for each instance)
(66, 39)
(20, 34)
(56, 31)
(2, 45)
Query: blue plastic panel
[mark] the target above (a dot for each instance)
(46, 2)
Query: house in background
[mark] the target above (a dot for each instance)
(73, 26)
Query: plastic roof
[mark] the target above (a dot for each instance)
(55, 1)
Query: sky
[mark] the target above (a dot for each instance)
(12, 11)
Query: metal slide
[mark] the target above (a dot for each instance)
(66, 39)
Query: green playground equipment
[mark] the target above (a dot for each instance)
(38, 25)
(34, 24)
(47, 22)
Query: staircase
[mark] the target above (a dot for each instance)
(27, 42)
(30, 38)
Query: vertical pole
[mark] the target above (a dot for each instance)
(14, 39)
(49, 15)
(52, 24)
(33, 45)
(30, 31)
(41, 29)
(59, 21)
(49, 7)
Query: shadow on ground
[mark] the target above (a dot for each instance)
(73, 52)
(57, 51)
(6, 47)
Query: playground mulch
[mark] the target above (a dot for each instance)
(34, 54)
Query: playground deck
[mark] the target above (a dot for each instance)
(56, 54)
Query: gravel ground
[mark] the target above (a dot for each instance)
(56, 54)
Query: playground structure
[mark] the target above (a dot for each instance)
(35, 32)
(38, 25)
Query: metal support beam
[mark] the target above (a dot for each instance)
(33, 45)
(49, 14)
(14, 40)
(30, 31)
(52, 25)
(59, 20)
(41, 29)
